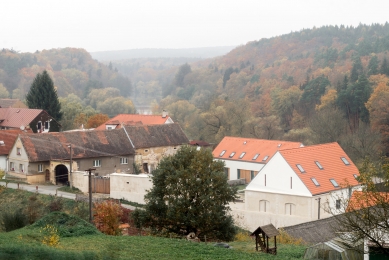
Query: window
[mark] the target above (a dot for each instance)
(11, 166)
(222, 153)
(337, 204)
(109, 127)
(300, 168)
(238, 173)
(40, 167)
(255, 156)
(96, 163)
(232, 154)
(47, 125)
(146, 151)
(264, 206)
(227, 172)
(124, 160)
(241, 156)
(279, 145)
(265, 158)
(252, 175)
(336, 185)
(345, 161)
(319, 165)
(290, 208)
(18, 151)
(355, 176)
(315, 182)
(21, 168)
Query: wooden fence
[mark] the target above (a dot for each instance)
(101, 185)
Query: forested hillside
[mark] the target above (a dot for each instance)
(317, 85)
(85, 86)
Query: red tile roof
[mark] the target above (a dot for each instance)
(364, 199)
(329, 156)
(134, 119)
(251, 147)
(7, 140)
(16, 117)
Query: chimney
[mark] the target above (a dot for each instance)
(164, 114)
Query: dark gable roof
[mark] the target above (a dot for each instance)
(85, 144)
(145, 136)
(268, 229)
(314, 232)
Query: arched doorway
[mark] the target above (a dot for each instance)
(61, 174)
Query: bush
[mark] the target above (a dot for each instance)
(107, 217)
(56, 204)
(33, 209)
(13, 220)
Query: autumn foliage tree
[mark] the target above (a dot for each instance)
(96, 120)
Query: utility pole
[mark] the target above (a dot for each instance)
(318, 208)
(71, 167)
(90, 193)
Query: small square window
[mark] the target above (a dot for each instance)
(355, 176)
(232, 154)
(241, 156)
(21, 168)
(265, 158)
(315, 182)
(319, 165)
(124, 160)
(300, 168)
(336, 185)
(96, 163)
(255, 156)
(222, 153)
(146, 151)
(345, 161)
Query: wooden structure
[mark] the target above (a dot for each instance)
(262, 235)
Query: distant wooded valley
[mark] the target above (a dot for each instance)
(319, 85)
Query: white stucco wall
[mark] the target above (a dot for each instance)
(80, 180)
(130, 186)
(3, 162)
(278, 177)
(235, 165)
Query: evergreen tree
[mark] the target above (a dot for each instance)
(42, 95)
(384, 67)
(356, 70)
(190, 193)
(372, 68)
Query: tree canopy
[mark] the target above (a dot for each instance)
(189, 194)
(42, 95)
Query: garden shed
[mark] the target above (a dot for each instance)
(262, 235)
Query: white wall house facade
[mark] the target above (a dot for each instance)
(283, 195)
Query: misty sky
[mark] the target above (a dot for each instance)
(32, 25)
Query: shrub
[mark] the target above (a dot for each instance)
(51, 237)
(285, 238)
(56, 204)
(33, 209)
(107, 217)
(13, 220)
(125, 217)
(242, 237)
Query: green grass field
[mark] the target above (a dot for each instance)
(26, 243)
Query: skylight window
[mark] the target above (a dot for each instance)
(232, 154)
(355, 176)
(319, 165)
(222, 153)
(255, 156)
(315, 182)
(336, 185)
(300, 168)
(265, 158)
(279, 145)
(345, 161)
(241, 156)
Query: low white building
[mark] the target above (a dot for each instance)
(245, 157)
(296, 186)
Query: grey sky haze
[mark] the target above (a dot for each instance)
(28, 26)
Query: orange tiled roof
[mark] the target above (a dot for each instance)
(16, 117)
(134, 119)
(7, 140)
(251, 147)
(364, 199)
(329, 157)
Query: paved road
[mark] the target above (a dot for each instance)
(52, 190)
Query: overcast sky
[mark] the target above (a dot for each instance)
(32, 25)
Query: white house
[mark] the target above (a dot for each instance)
(296, 186)
(245, 157)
